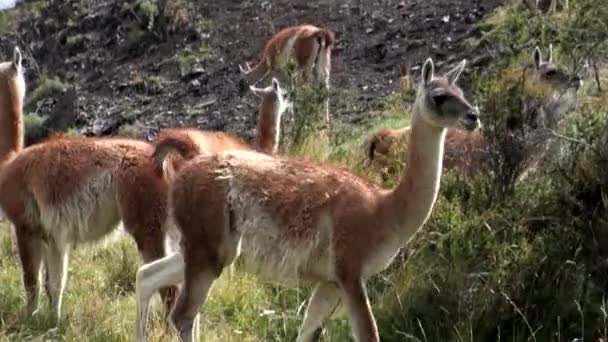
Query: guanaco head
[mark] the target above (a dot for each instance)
(553, 75)
(273, 97)
(11, 71)
(442, 101)
(326, 38)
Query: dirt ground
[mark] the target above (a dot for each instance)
(119, 78)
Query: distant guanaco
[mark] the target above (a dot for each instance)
(309, 46)
(465, 151)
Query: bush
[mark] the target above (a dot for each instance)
(307, 114)
(515, 136)
(47, 87)
(34, 125)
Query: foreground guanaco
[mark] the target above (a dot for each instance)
(68, 191)
(309, 47)
(464, 151)
(302, 222)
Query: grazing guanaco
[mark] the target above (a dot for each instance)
(310, 48)
(464, 151)
(72, 190)
(303, 222)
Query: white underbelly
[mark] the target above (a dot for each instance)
(268, 250)
(88, 215)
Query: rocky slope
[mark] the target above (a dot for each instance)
(121, 74)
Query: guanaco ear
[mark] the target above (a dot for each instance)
(428, 72)
(257, 91)
(245, 69)
(275, 86)
(537, 57)
(453, 74)
(550, 53)
(17, 58)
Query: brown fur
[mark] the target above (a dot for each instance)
(309, 46)
(47, 187)
(67, 191)
(267, 125)
(305, 221)
(188, 143)
(306, 36)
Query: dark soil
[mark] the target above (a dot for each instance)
(123, 73)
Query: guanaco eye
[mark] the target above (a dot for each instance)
(440, 99)
(550, 72)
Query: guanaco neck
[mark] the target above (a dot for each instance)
(410, 203)
(11, 120)
(268, 128)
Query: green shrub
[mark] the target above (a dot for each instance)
(34, 125)
(132, 130)
(307, 114)
(47, 87)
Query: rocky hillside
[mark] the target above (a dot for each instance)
(112, 67)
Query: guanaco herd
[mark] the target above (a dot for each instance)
(296, 221)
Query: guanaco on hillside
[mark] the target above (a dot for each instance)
(307, 45)
(301, 222)
(464, 151)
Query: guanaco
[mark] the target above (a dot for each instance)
(71, 190)
(310, 48)
(301, 222)
(190, 142)
(464, 151)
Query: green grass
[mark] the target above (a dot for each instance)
(100, 304)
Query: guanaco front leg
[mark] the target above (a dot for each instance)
(56, 262)
(360, 311)
(323, 301)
